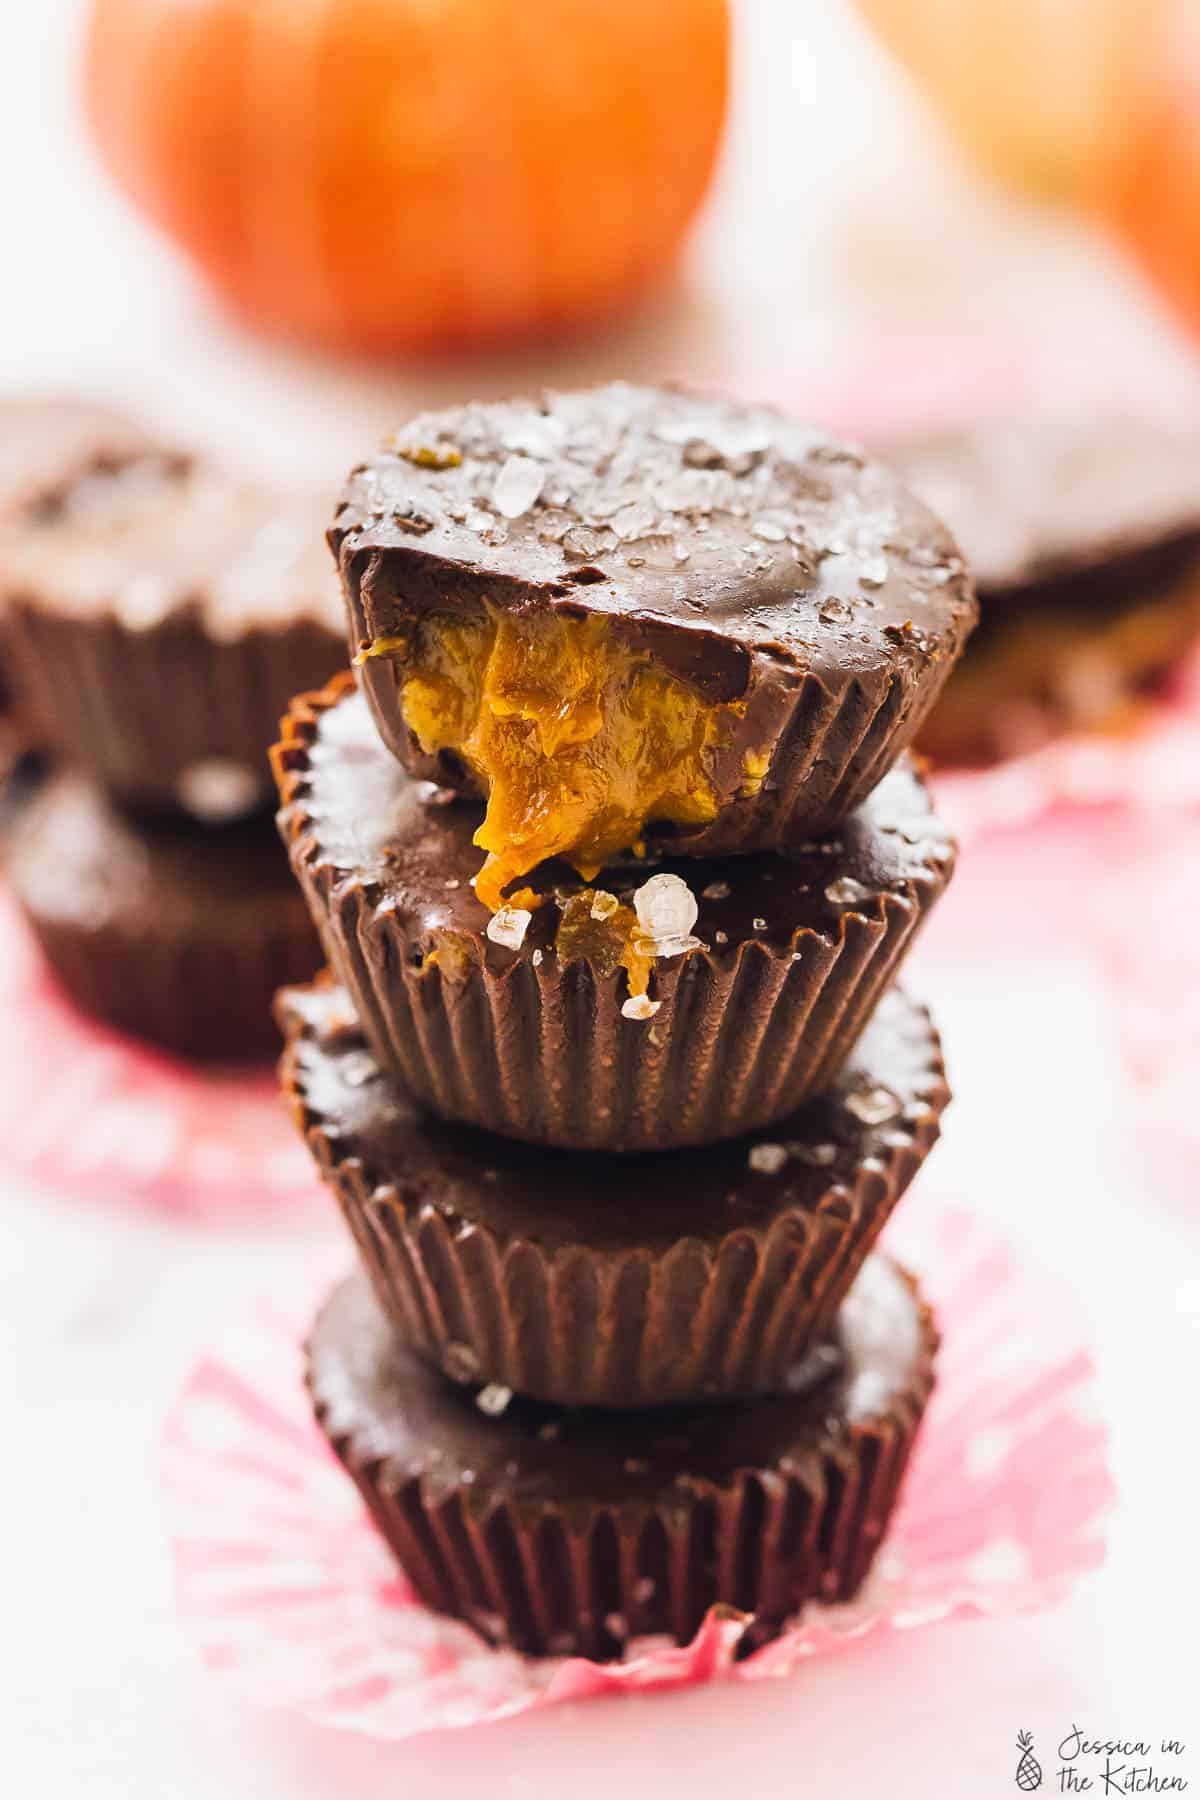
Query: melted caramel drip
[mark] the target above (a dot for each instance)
(577, 742)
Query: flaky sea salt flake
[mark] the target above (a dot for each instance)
(845, 891)
(517, 486)
(493, 1399)
(666, 907)
(508, 926)
(767, 1159)
(873, 1106)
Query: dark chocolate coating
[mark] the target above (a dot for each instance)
(753, 557)
(161, 615)
(1033, 500)
(570, 1531)
(588, 1279)
(1071, 525)
(173, 932)
(794, 950)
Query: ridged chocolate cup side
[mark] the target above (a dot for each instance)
(179, 935)
(522, 1044)
(570, 1533)
(141, 711)
(594, 1280)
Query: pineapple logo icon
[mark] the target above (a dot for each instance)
(1029, 1769)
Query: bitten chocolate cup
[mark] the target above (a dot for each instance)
(759, 971)
(159, 616)
(596, 1280)
(571, 1532)
(174, 932)
(630, 614)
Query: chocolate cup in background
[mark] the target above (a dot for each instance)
(173, 932)
(159, 615)
(599, 1280)
(792, 953)
(46, 439)
(786, 579)
(570, 1532)
(1083, 533)
(1086, 652)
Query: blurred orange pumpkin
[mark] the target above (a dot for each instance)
(1030, 88)
(1147, 189)
(404, 174)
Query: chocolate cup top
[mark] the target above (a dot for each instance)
(76, 860)
(788, 581)
(355, 820)
(382, 1405)
(139, 533)
(886, 1102)
(46, 439)
(1048, 506)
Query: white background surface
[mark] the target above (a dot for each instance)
(804, 256)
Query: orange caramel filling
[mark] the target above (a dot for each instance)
(596, 926)
(578, 742)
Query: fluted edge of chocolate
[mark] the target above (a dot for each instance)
(136, 709)
(582, 1581)
(742, 1036)
(700, 1321)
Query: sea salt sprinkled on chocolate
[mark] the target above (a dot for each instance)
(845, 891)
(760, 924)
(537, 958)
(873, 1106)
(720, 937)
(633, 520)
(493, 1399)
(716, 890)
(817, 1156)
(357, 1069)
(508, 926)
(666, 908)
(640, 1006)
(453, 882)
(460, 1362)
(517, 486)
(767, 1159)
(604, 904)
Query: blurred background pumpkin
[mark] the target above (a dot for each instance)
(1147, 184)
(1029, 88)
(398, 175)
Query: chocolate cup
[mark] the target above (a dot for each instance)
(175, 933)
(158, 617)
(1083, 533)
(785, 578)
(596, 1280)
(792, 953)
(568, 1533)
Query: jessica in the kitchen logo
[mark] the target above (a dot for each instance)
(1103, 1766)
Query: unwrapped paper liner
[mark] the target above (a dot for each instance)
(288, 1594)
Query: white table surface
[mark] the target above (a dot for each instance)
(838, 219)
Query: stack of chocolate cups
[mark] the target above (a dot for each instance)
(156, 615)
(616, 1115)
